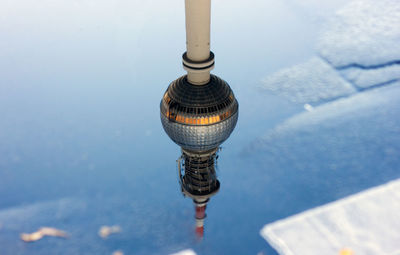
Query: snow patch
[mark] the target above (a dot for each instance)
(309, 82)
(365, 223)
(365, 32)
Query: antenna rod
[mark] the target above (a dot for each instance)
(198, 61)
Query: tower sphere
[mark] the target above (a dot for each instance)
(199, 118)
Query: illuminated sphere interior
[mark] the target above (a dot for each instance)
(199, 117)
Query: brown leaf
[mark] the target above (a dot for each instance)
(44, 231)
(105, 231)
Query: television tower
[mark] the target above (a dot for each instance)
(198, 111)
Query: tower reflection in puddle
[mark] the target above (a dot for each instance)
(198, 181)
(198, 112)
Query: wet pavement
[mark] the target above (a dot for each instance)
(82, 145)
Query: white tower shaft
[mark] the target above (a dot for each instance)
(199, 61)
(198, 29)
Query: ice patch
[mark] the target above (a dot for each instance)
(361, 44)
(309, 82)
(365, 32)
(339, 148)
(380, 105)
(365, 78)
(365, 223)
